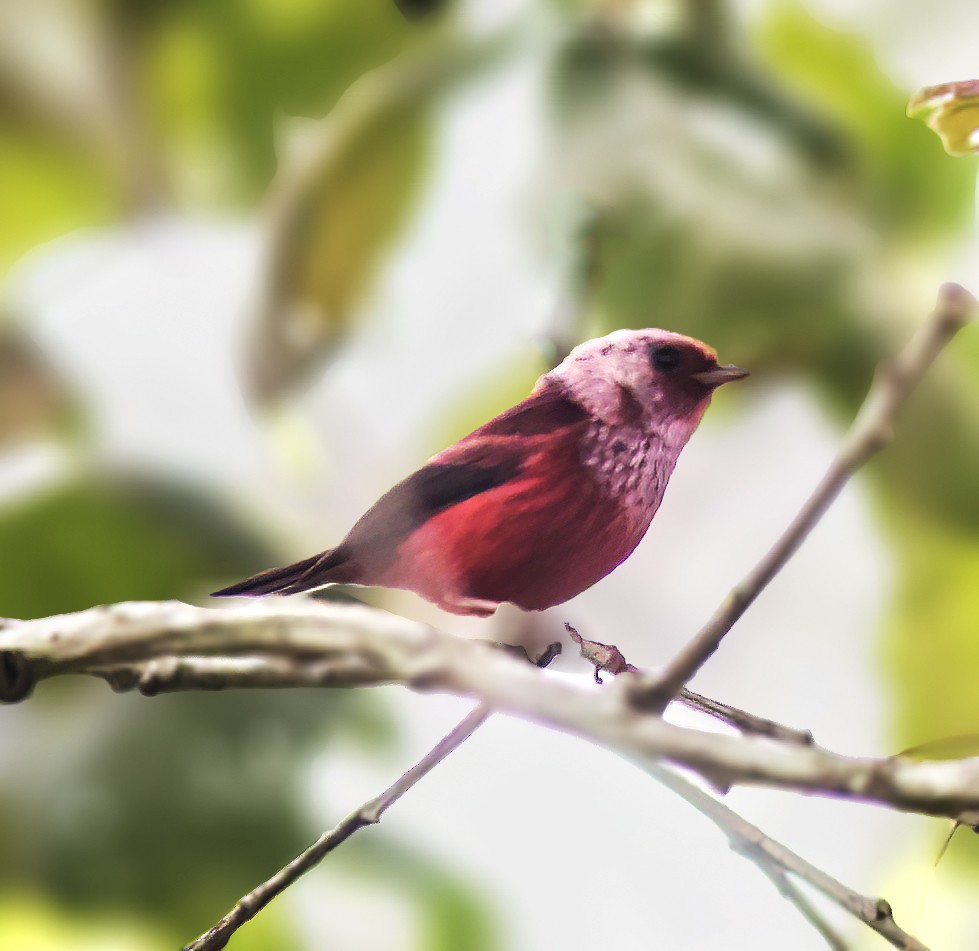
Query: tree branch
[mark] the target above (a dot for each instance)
(870, 433)
(777, 862)
(608, 658)
(248, 906)
(348, 645)
(744, 721)
(767, 854)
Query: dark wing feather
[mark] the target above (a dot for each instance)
(549, 410)
(485, 459)
(439, 486)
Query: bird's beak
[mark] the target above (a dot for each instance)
(718, 375)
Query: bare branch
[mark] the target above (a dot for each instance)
(369, 813)
(248, 906)
(789, 890)
(744, 721)
(870, 433)
(608, 658)
(777, 861)
(360, 646)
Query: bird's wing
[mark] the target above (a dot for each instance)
(494, 453)
(485, 459)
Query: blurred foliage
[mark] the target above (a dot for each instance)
(335, 215)
(29, 923)
(173, 97)
(905, 185)
(931, 641)
(97, 541)
(758, 188)
(34, 401)
(133, 791)
(449, 913)
(415, 9)
(47, 190)
(337, 204)
(952, 111)
(732, 250)
(219, 75)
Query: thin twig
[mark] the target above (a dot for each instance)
(870, 433)
(743, 721)
(777, 861)
(789, 890)
(609, 659)
(370, 813)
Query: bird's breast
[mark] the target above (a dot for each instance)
(631, 464)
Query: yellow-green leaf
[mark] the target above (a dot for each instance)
(952, 111)
(963, 746)
(336, 207)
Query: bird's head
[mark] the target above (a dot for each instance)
(647, 377)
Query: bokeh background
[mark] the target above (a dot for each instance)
(261, 258)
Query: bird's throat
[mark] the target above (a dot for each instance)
(632, 464)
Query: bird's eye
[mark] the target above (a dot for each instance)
(666, 358)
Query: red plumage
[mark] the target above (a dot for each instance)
(542, 501)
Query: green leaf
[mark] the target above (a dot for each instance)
(952, 111)
(335, 214)
(963, 746)
(337, 206)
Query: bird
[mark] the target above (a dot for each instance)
(541, 502)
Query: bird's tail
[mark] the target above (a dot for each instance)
(313, 572)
